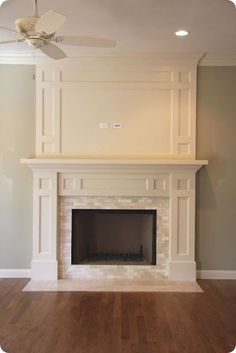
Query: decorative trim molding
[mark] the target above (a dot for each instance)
(15, 273)
(218, 60)
(16, 58)
(212, 274)
(27, 58)
(123, 81)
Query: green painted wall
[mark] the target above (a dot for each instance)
(216, 184)
(17, 140)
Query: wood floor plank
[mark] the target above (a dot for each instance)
(77, 322)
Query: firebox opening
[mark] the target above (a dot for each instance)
(113, 237)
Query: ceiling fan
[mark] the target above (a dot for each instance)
(234, 2)
(40, 33)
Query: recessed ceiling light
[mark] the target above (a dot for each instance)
(182, 33)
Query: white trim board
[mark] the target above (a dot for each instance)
(28, 58)
(15, 273)
(212, 274)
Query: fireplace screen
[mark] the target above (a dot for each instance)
(113, 236)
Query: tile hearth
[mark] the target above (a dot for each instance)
(115, 285)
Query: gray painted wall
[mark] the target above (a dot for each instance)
(216, 184)
(17, 140)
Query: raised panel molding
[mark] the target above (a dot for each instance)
(44, 225)
(182, 225)
(183, 217)
(113, 185)
(132, 86)
(48, 112)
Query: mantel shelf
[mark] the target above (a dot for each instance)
(56, 162)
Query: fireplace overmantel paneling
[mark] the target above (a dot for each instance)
(174, 180)
(149, 160)
(152, 97)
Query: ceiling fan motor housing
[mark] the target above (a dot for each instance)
(36, 42)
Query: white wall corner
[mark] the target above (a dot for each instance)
(15, 273)
(182, 271)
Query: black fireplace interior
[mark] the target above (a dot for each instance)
(113, 236)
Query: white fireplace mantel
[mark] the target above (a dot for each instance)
(60, 162)
(107, 164)
(172, 179)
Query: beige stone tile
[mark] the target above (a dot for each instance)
(112, 285)
(130, 272)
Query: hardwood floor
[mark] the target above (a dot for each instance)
(72, 322)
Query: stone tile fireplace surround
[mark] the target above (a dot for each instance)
(148, 163)
(66, 270)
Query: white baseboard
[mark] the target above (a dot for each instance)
(10, 273)
(211, 274)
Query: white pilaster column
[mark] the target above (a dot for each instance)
(182, 229)
(44, 262)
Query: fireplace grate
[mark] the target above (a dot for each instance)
(116, 257)
(112, 256)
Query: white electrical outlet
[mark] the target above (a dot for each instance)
(117, 126)
(103, 125)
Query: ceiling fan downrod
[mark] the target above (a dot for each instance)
(35, 8)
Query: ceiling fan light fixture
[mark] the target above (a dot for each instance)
(182, 33)
(234, 2)
(2, 2)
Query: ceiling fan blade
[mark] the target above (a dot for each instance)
(8, 29)
(12, 41)
(50, 22)
(53, 51)
(86, 41)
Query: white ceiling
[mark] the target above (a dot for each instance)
(139, 26)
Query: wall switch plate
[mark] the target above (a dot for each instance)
(103, 125)
(117, 126)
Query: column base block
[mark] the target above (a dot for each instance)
(43, 270)
(183, 271)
